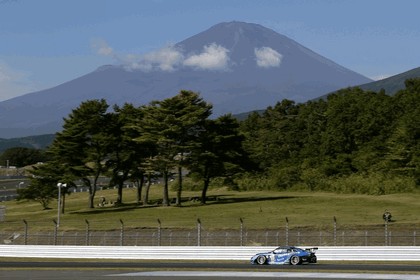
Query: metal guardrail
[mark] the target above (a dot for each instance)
(398, 253)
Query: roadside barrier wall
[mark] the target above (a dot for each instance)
(239, 253)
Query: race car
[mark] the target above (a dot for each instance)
(286, 255)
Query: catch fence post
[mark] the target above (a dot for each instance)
(122, 233)
(298, 238)
(242, 231)
(55, 231)
(287, 231)
(159, 233)
(335, 231)
(266, 238)
(198, 232)
(366, 238)
(87, 232)
(26, 232)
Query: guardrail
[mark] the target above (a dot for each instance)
(391, 253)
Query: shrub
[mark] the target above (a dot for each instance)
(372, 183)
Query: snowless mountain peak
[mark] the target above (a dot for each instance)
(236, 66)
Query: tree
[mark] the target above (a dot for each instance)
(403, 145)
(272, 137)
(357, 125)
(126, 155)
(82, 147)
(191, 114)
(220, 153)
(43, 184)
(38, 191)
(20, 156)
(174, 125)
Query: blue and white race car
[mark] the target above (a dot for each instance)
(286, 255)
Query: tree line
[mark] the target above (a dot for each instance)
(354, 141)
(136, 144)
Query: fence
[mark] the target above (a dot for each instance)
(200, 236)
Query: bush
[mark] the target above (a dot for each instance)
(285, 177)
(254, 182)
(373, 184)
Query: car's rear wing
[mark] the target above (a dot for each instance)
(312, 250)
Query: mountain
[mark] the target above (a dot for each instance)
(392, 84)
(236, 66)
(33, 142)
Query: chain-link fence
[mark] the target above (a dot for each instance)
(200, 236)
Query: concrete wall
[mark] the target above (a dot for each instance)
(390, 253)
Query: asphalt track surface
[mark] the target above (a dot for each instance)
(12, 270)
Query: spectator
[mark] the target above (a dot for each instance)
(387, 216)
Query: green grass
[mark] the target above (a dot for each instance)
(258, 209)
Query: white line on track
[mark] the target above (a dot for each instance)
(300, 275)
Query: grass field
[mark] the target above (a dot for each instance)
(259, 210)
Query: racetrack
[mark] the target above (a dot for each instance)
(92, 270)
(388, 267)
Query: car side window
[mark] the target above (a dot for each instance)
(279, 251)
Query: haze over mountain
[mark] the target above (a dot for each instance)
(236, 66)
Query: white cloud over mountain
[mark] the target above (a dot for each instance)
(267, 57)
(213, 57)
(12, 82)
(101, 47)
(165, 59)
(169, 58)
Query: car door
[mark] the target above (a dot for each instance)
(281, 255)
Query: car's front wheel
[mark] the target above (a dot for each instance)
(261, 260)
(295, 260)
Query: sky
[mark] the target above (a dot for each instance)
(44, 43)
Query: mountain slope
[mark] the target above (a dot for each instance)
(236, 66)
(32, 142)
(392, 84)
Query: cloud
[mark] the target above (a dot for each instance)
(101, 47)
(4, 75)
(214, 57)
(13, 83)
(267, 57)
(165, 59)
(169, 58)
(381, 77)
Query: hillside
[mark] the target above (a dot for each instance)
(34, 142)
(392, 84)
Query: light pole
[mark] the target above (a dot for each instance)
(59, 185)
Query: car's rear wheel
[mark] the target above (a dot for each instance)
(295, 260)
(261, 260)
